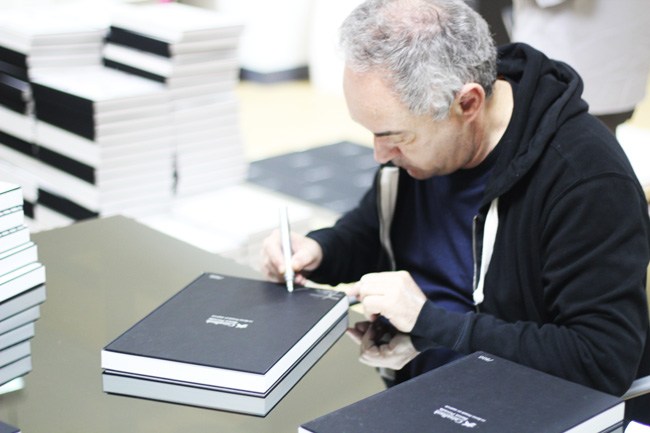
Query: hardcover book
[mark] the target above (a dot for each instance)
(14, 93)
(15, 369)
(21, 280)
(167, 67)
(226, 332)
(480, 393)
(17, 320)
(23, 301)
(18, 257)
(11, 218)
(212, 397)
(12, 238)
(11, 196)
(96, 89)
(14, 353)
(15, 336)
(176, 23)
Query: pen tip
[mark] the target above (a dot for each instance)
(290, 286)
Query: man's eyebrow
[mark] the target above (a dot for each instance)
(386, 133)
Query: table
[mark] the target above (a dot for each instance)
(102, 276)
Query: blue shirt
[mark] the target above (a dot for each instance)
(432, 232)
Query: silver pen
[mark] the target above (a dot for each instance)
(285, 234)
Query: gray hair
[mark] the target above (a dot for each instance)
(428, 49)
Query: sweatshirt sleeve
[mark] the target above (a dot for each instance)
(351, 248)
(592, 312)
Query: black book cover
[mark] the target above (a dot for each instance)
(77, 122)
(13, 57)
(233, 325)
(15, 143)
(64, 206)
(12, 104)
(13, 70)
(479, 393)
(71, 166)
(14, 93)
(74, 102)
(133, 70)
(120, 36)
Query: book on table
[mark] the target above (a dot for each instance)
(17, 257)
(229, 343)
(11, 196)
(22, 318)
(22, 301)
(193, 394)
(482, 393)
(17, 335)
(15, 369)
(174, 24)
(21, 280)
(14, 353)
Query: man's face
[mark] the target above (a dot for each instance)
(424, 147)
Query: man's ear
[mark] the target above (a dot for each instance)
(469, 100)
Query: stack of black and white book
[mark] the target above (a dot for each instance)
(103, 141)
(61, 45)
(194, 52)
(225, 343)
(483, 393)
(37, 37)
(50, 36)
(22, 286)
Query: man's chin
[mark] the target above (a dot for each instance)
(415, 174)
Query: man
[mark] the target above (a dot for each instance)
(518, 227)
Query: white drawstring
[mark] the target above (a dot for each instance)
(489, 237)
(388, 181)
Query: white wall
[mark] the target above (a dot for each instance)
(276, 33)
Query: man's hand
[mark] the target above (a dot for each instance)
(307, 255)
(393, 295)
(382, 348)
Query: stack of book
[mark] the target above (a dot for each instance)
(40, 37)
(22, 286)
(194, 52)
(37, 37)
(103, 143)
(225, 343)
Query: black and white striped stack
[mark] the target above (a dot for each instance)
(194, 52)
(104, 143)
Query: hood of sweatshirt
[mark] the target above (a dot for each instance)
(548, 94)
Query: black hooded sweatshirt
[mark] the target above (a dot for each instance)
(564, 289)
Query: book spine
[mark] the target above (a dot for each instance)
(21, 280)
(130, 39)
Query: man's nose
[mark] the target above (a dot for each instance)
(383, 153)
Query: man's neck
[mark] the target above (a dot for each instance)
(498, 113)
